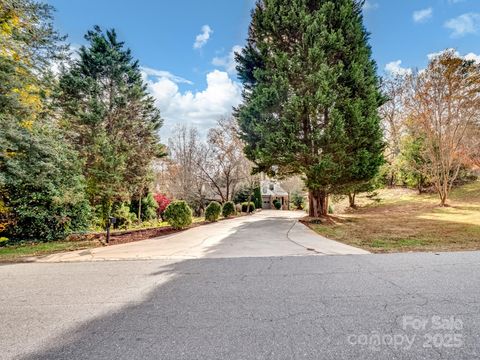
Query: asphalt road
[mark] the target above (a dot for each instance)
(418, 306)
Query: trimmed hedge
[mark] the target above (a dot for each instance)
(178, 214)
(228, 209)
(245, 206)
(277, 204)
(213, 211)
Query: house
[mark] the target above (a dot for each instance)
(271, 190)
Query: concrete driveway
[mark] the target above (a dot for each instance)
(264, 234)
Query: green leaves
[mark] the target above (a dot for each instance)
(112, 119)
(311, 93)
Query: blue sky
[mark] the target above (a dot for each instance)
(185, 46)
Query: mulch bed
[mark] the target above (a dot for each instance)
(127, 236)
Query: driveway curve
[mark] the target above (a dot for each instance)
(268, 233)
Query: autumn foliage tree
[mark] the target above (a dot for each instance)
(162, 202)
(443, 108)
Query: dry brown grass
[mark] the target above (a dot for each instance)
(401, 220)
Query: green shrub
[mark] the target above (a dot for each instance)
(3, 241)
(178, 214)
(277, 204)
(124, 217)
(213, 211)
(245, 206)
(298, 201)
(149, 207)
(330, 209)
(228, 209)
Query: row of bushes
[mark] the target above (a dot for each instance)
(179, 215)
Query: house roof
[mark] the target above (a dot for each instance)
(271, 188)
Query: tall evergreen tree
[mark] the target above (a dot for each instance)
(41, 185)
(311, 95)
(112, 120)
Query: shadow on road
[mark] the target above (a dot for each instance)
(282, 308)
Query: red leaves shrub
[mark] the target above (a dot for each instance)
(162, 201)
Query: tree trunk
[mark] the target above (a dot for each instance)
(140, 208)
(443, 198)
(351, 200)
(248, 202)
(318, 203)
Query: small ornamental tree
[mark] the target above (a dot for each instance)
(162, 201)
(228, 209)
(247, 208)
(149, 206)
(178, 214)
(213, 211)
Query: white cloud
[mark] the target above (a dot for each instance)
(164, 75)
(203, 37)
(228, 62)
(435, 54)
(200, 109)
(468, 23)
(369, 5)
(395, 68)
(469, 56)
(423, 15)
(472, 56)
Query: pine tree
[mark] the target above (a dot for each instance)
(311, 95)
(112, 120)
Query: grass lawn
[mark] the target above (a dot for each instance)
(401, 220)
(23, 251)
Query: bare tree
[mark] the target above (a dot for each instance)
(251, 180)
(223, 161)
(393, 116)
(292, 185)
(444, 105)
(473, 143)
(187, 156)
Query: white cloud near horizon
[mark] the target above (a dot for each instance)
(200, 109)
(202, 38)
(422, 15)
(164, 75)
(395, 68)
(228, 62)
(464, 24)
(469, 56)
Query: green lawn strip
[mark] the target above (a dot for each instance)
(30, 249)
